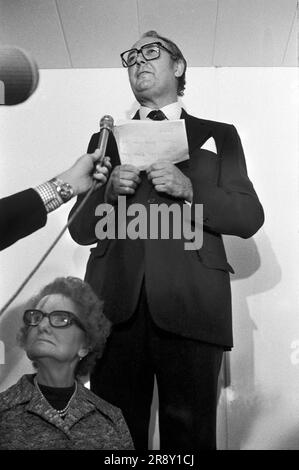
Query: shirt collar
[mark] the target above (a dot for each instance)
(172, 111)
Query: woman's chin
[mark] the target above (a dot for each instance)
(39, 350)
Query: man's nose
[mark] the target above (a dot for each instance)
(140, 59)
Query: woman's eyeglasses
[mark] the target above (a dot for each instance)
(57, 318)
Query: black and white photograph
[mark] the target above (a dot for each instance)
(149, 227)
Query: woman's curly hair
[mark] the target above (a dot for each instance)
(90, 310)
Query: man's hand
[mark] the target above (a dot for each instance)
(124, 180)
(82, 174)
(167, 178)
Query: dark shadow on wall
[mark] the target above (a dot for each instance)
(244, 405)
(258, 271)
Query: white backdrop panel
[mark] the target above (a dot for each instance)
(258, 404)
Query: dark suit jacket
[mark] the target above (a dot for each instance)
(188, 292)
(20, 215)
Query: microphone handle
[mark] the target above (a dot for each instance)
(102, 143)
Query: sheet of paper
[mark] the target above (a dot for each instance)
(143, 142)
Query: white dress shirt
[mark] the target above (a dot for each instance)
(172, 111)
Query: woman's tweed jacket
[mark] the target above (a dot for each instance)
(27, 421)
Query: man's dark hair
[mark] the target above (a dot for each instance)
(177, 54)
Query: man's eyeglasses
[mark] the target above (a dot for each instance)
(149, 51)
(57, 318)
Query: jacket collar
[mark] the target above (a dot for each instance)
(79, 408)
(83, 403)
(17, 394)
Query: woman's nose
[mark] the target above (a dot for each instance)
(44, 324)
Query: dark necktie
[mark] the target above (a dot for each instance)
(156, 115)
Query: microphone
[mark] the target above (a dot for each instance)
(18, 75)
(106, 126)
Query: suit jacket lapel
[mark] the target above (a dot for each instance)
(197, 131)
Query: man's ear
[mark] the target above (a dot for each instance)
(179, 68)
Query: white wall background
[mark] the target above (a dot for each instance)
(258, 404)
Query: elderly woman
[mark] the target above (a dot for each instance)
(64, 332)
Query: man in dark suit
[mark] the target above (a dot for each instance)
(171, 308)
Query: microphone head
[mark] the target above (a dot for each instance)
(18, 75)
(107, 122)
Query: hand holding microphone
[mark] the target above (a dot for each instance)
(88, 172)
(91, 168)
(85, 171)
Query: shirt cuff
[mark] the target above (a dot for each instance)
(49, 196)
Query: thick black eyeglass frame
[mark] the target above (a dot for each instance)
(71, 318)
(156, 43)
